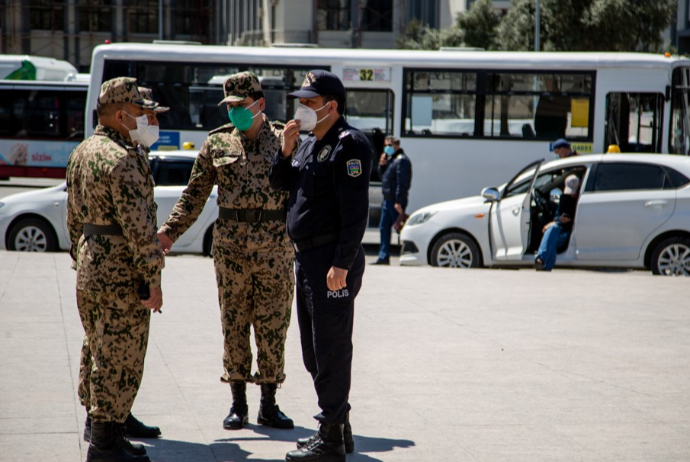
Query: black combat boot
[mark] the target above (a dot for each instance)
(269, 412)
(132, 448)
(106, 445)
(347, 437)
(237, 418)
(136, 429)
(327, 446)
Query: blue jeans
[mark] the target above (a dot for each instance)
(553, 238)
(388, 216)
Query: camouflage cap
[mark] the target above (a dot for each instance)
(154, 106)
(238, 86)
(122, 90)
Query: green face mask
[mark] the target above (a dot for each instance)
(242, 117)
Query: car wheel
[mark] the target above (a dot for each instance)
(32, 235)
(455, 250)
(672, 257)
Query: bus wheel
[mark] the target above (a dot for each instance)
(455, 250)
(32, 235)
(672, 257)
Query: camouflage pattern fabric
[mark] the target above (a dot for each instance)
(253, 261)
(238, 86)
(112, 360)
(123, 90)
(109, 182)
(152, 105)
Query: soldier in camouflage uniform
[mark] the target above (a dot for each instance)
(252, 255)
(111, 218)
(133, 427)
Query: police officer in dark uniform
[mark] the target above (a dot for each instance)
(328, 181)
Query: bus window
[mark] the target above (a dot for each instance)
(543, 106)
(634, 121)
(440, 103)
(193, 90)
(679, 133)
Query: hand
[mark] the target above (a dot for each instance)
(335, 280)
(398, 208)
(547, 226)
(290, 134)
(383, 160)
(155, 300)
(166, 242)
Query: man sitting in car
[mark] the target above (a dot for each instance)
(557, 233)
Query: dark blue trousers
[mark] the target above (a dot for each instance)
(325, 321)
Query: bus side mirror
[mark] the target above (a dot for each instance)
(491, 194)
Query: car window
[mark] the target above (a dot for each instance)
(678, 179)
(173, 173)
(630, 177)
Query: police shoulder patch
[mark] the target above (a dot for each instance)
(324, 154)
(354, 167)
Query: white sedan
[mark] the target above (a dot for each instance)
(633, 211)
(36, 221)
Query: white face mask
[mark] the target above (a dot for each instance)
(144, 134)
(308, 118)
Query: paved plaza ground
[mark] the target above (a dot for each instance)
(450, 365)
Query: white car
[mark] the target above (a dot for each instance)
(633, 211)
(36, 221)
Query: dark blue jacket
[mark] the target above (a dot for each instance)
(396, 178)
(328, 180)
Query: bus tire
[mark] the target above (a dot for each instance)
(455, 250)
(32, 235)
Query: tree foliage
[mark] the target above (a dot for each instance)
(479, 25)
(565, 25)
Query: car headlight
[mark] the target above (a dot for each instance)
(419, 218)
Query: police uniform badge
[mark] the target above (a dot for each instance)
(354, 168)
(324, 154)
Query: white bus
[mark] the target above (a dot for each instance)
(42, 103)
(465, 118)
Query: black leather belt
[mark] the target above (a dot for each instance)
(251, 215)
(97, 230)
(316, 241)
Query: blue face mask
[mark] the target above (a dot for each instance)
(242, 117)
(389, 150)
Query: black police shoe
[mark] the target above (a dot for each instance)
(136, 429)
(348, 440)
(326, 446)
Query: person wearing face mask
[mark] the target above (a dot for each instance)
(328, 181)
(395, 170)
(145, 135)
(252, 256)
(111, 217)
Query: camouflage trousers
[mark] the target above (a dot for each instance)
(116, 327)
(255, 288)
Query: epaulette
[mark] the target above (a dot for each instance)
(344, 134)
(227, 128)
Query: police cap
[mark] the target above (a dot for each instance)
(318, 83)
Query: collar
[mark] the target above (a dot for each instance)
(114, 135)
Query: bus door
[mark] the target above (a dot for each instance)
(510, 221)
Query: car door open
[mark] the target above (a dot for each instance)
(511, 216)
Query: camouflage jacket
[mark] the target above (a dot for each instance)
(110, 182)
(239, 166)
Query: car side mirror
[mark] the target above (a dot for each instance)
(555, 195)
(491, 194)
